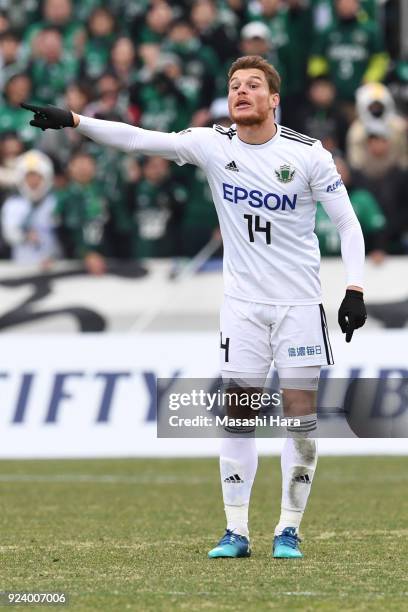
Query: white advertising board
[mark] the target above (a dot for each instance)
(94, 395)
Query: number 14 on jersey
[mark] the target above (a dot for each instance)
(256, 227)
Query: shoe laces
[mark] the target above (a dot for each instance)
(289, 537)
(230, 537)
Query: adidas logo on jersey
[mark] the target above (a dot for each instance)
(303, 478)
(232, 166)
(235, 479)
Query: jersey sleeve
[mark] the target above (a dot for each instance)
(193, 146)
(325, 182)
(341, 213)
(328, 188)
(190, 146)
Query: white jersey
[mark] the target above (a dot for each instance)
(265, 196)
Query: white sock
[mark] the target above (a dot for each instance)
(238, 464)
(298, 462)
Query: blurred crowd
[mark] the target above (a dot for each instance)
(162, 65)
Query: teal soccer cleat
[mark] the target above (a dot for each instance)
(286, 545)
(231, 545)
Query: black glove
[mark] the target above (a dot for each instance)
(352, 313)
(50, 117)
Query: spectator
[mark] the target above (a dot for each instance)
(198, 67)
(294, 55)
(200, 222)
(147, 55)
(27, 218)
(110, 104)
(234, 13)
(12, 117)
(219, 113)
(154, 27)
(160, 64)
(122, 61)
(397, 82)
(212, 32)
(129, 14)
(111, 177)
(256, 39)
(83, 9)
(119, 230)
(10, 56)
(369, 214)
(350, 51)
(57, 14)
(52, 70)
(388, 183)
(81, 214)
(58, 144)
(4, 22)
(11, 147)
(376, 114)
(101, 36)
(19, 15)
(324, 14)
(157, 204)
(161, 104)
(273, 15)
(290, 28)
(77, 96)
(319, 116)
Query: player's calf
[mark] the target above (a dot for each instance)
(299, 457)
(238, 457)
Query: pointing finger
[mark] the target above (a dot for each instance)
(30, 107)
(349, 334)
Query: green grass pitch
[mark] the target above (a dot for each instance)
(122, 535)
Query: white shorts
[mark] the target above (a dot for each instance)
(253, 335)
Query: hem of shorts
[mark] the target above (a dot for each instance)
(312, 362)
(257, 300)
(246, 371)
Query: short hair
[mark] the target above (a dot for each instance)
(80, 152)
(51, 29)
(256, 61)
(9, 34)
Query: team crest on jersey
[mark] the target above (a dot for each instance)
(285, 173)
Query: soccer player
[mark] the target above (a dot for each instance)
(265, 180)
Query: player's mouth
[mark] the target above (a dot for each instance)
(242, 104)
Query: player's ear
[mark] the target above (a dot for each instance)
(274, 100)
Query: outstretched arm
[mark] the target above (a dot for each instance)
(127, 137)
(190, 149)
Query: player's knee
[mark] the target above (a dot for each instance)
(238, 410)
(241, 401)
(302, 379)
(299, 392)
(244, 380)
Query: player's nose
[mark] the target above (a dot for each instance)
(242, 89)
(242, 94)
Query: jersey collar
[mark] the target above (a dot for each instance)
(262, 145)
